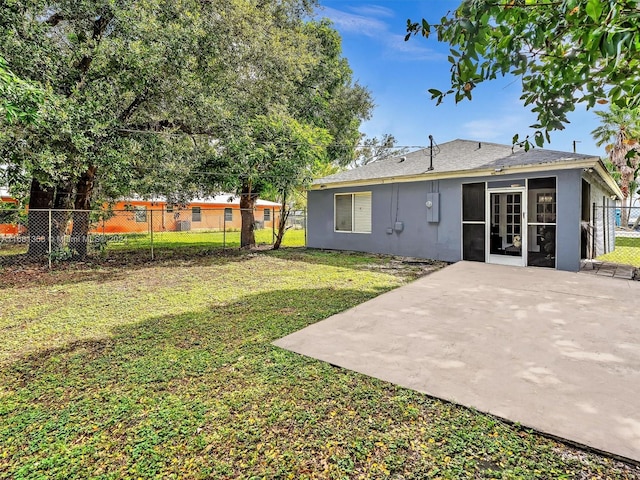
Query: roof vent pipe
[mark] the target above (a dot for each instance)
(479, 145)
(430, 152)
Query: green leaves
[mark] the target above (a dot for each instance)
(594, 9)
(165, 97)
(539, 139)
(620, 133)
(19, 100)
(565, 53)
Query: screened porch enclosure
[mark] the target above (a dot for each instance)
(511, 224)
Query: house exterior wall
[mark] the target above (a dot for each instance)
(390, 203)
(569, 197)
(405, 202)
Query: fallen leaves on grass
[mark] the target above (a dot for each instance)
(167, 371)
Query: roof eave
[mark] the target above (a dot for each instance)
(608, 179)
(482, 172)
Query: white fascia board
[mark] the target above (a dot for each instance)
(582, 163)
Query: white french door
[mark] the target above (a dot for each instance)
(506, 226)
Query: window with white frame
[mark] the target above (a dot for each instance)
(196, 214)
(353, 212)
(228, 215)
(140, 214)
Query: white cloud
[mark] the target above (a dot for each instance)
(374, 10)
(491, 128)
(350, 22)
(366, 22)
(397, 43)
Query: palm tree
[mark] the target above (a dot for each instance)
(620, 133)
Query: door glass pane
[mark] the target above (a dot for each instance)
(542, 200)
(473, 242)
(473, 202)
(505, 236)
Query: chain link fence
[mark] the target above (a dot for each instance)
(55, 236)
(615, 235)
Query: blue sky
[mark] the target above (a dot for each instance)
(398, 74)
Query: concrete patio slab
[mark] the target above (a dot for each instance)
(555, 351)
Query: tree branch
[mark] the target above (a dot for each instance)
(133, 106)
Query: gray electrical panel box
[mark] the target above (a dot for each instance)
(433, 207)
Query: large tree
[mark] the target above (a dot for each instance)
(139, 89)
(620, 133)
(565, 52)
(276, 155)
(112, 68)
(375, 149)
(157, 96)
(309, 94)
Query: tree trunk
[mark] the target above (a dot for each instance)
(624, 213)
(40, 200)
(247, 205)
(48, 218)
(626, 178)
(282, 222)
(80, 232)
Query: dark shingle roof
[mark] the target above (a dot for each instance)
(455, 156)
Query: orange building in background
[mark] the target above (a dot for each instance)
(8, 228)
(221, 212)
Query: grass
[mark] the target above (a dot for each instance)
(627, 252)
(167, 243)
(166, 370)
(209, 239)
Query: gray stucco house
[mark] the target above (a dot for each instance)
(467, 200)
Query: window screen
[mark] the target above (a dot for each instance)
(473, 242)
(353, 212)
(473, 222)
(473, 198)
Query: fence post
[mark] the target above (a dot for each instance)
(305, 227)
(50, 231)
(151, 225)
(605, 227)
(224, 230)
(273, 225)
(593, 234)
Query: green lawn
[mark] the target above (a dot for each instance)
(166, 244)
(627, 252)
(166, 370)
(209, 239)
